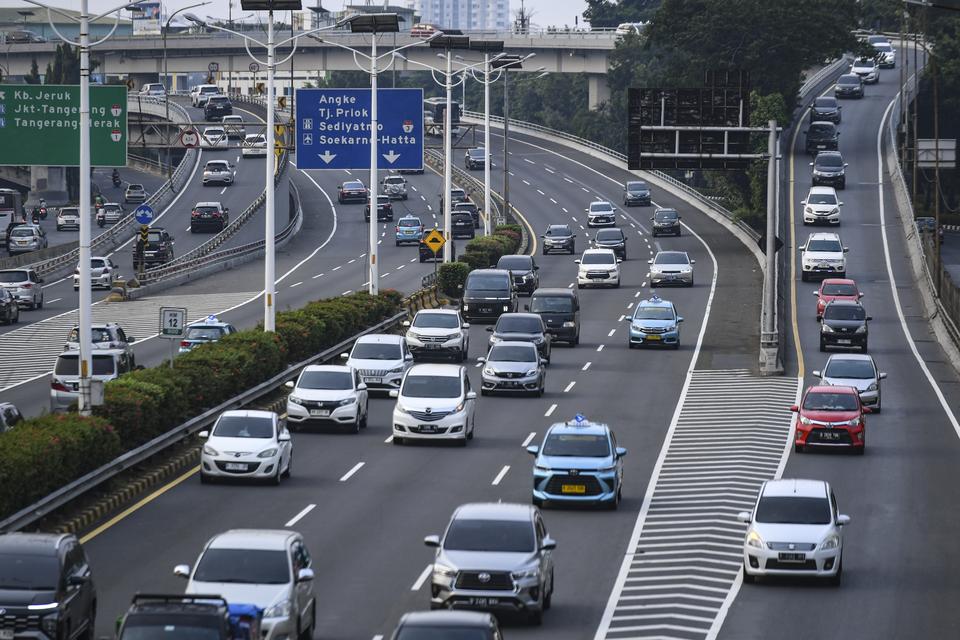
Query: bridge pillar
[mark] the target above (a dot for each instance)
(598, 91)
(49, 183)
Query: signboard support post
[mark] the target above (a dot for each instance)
(486, 144)
(447, 160)
(269, 284)
(374, 187)
(173, 326)
(770, 280)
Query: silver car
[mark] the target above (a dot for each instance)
(381, 359)
(135, 193)
(112, 212)
(269, 568)
(514, 367)
(24, 285)
(494, 557)
(26, 237)
(857, 370)
(671, 267)
(217, 172)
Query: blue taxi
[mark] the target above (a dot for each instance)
(210, 329)
(579, 462)
(409, 229)
(654, 322)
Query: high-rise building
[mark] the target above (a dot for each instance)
(468, 15)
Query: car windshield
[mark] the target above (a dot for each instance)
(135, 187)
(329, 380)
(487, 282)
(561, 232)
(22, 232)
(665, 216)
(243, 427)
(111, 207)
(29, 572)
(206, 209)
(653, 313)
(515, 263)
(476, 153)
(637, 186)
(70, 212)
(247, 566)
(376, 351)
(609, 235)
(203, 333)
(864, 62)
(97, 335)
(848, 80)
(598, 258)
(828, 246)
(213, 132)
(825, 103)
(882, 47)
(510, 536)
(512, 353)
(551, 304)
(154, 236)
(821, 198)
(422, 386)
(671, 257)
(409, 222)
(393, 180)
(576, 445)
(846, 368)
(465, 206)
(839, 290)
(836, 311)
(161, 627)
(353, 185)
(68, 365)
(217, 166)
(435, 632)
(458, 194)
(13, 276)
(829, 161)
(436, 321)
(821, 130)
(518, 324)
(826, 401)
(793, 510)
(97, 263)
(600, 206)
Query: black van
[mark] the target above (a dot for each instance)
(461, 224)
(560, 310)
(486, 294)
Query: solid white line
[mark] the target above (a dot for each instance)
(500, 475)
(529, 438)
(352, 471)
(423, 578)
(295, 519)
(569, 386)
(585, 367)
(550, 411)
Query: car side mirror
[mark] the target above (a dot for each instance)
(289, 384)
(621, 451)
(489, 329)
(650, 261)
(408, 357)
(840, 204)
(305, 575)
(482, 359)
(405, 323)
(818, 374)
(204, 434)
(526, 307)
(471, 395)
(883, 375)
(846, 249)
(693, 262)
(466, 325)
(802, 247)
(794, 408)
(869, 318)
(533, 449)
(432, 541)
(548, 543)
(77, 580)
(131, 339)
(803, 202)
(846, 164)
(577, 260)
(41, 280)
(182, 570)
(805, 131)
(744, 516)
(843, 520)
(362, 386)
(866, 410)
(344, 356)
(679, 318)
(394, 393)
(811, 164)
(816, 293)
(284, 436)
(619, 260)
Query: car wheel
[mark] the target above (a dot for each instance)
(537, 502)
(544, 252)
(470, 433)
(861, 450)
(462, 442)
(548, 595)
(798, 448)
(205, 479)
(616, 285)
(747, 578)
(836, 579)
(307, 634)
(576, 340)
(397, 441)
(275, 480)
(864, 349)
(614, 504)
(366, 417)
(398, 243)
(823, 346)
(40, 304)
(484, 392)
(289, 469)
(421, 259)
(16, 317)
(803, 276)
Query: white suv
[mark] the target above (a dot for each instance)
(601, 214)
(438, 332)
(381, 359)
(598, 267)
(795, 530)
(102, 273)
(823, 255)
(328, 394)
(821, 205)
(200, 93)
(395, 187)
(434, 402)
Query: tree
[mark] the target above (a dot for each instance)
(607, 13)
(34, 76)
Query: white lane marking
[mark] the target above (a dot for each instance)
(362, 255)
(337, 267)
(613, 331)
(637, 294)
(414, 188)
(600, 348)
(581, 226)
(510, 172)
(351, 260)
(541, 192)
(529, 160)
(526, 182)
(347, 292)
(586, 366)
(319, 275)
(352, 471)
(379, 636)
(585, 189)
(550, 411)
(549, 169)
(478, 365)
(568, 179)
(295, 519)
(413, 259)
(385, 275)
(54, 300)
(620, 319)
(296, 284)
(222, 191)
(422, 197)
(565, 210)
(401, 267)
(642, 284)
(569, 386)
(388, 440)
(630, 306)
(529, 439)
(500, 475)
(554, 201)
(570, 286)
(423, 578)
(188, 227)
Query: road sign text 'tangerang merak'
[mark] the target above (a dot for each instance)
(40, 125)
(333, 128)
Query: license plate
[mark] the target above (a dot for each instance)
(792, 557)
(6, 634)
(428, 428)
(432, 345)
(653, 337)
(373, 380)
(483, 602)
(829, 435)
(235, 466)
(844, 341)
(320, 413)
(573, 488)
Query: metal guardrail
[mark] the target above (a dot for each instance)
(50, 503)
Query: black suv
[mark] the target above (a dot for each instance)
(46, 588)
(559, 237)
(849, 85)
(470, 207)
(522, 327)
(611, 239)
(636, 192)
(384, 209)
(475, 158)
(461, 225)
(486, 294)
(421, 625)
(822, 136)
(825, 109)
(844, 324)
(526, 272)
(157, 250)
(216, 107)
(666, 221)
(151, 616)
(829, 169)
(560, 310)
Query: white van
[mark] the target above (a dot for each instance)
(108, 364)
(11, 208)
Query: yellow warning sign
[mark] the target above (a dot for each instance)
(282, 102)
(434, 240)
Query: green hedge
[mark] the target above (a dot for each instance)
(485, 251)
(450, 278)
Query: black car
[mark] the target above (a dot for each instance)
(456, 195)
(209, 215)
(384, 209)
(844, 324)
(522, 327)
(352, 191)
(157, 250)
(427, 254)
(47, 588)
(487, 293)
(475, 158)
(825, 109)
(216, 107)
(849, 85)
(560, 310)
(822, 136)
(829, 169)
(636, 193)
(432, 625)
(611, 239)
(9, 309)
(559, 237)
(526, 272)
(461, 225)
(470, 207)
(154, 615)
(666, 221)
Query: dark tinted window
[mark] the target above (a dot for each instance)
(516, 263)
(551, 304)
(479, 281)
(514, 536)
(653, 313)
(409, 222)
(243, 427)
(598, 258)
(251, 566)
(609, 235)
(13, 276)
(434, 632)
(637, 186)
(825, 401)
(559, 230)
(576, 445)
(853, 80)
(829, 161)
(154, 236)
(844, 312)
(6, 201)
(510, 353)
(671, 257)
(839, 290)
(135, 187)
(462, 217)
(436, 321)
(206, 209)
(178, 627)
(353, 185)
(821, 130)
(793, 510)
(825, 245)
(825, 103)
(326, 379)
(376, 351)
(69, 365)
(519, 324)
(420, 386)
(203, 333)
(666, 215)
(29, 572)
(843, 368)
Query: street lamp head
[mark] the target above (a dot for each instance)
(374, 23)
(194, 18)
(271, 5)
(487, 46)
(450, 39)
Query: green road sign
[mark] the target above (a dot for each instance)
(40, 125)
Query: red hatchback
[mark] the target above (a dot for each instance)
(836, 289)
(831, 417)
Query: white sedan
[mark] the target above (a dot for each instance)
(246, 444)
(214, 138)
(254, 145)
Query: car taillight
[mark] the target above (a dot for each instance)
(26, 286)
(184, 343)
(58, 386)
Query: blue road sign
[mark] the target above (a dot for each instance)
(143, 214)
(333, 128)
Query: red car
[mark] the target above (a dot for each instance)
(422, 30)
(831, 417)
(836, 289)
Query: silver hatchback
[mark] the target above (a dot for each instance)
(26, 237)
(513, 367)
(857, 370)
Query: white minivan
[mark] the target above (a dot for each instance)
(108, 364)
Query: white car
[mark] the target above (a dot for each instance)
(254, 146)
(598, 267)
(381, 359)
(823, 254)
(434, 402)
(328, 394)
(213, 138)
(395, 187)
(794, 530)
(671, 267)
(200, 93)
(102, 273)
(217, 172)
(268, 568)
(867, 69)
(112, 212)
(68, 218)
(246, 444)
(886, 55)
(234, 126)
(438, 332)
(821, 206)
(601, 214)
(153, 89)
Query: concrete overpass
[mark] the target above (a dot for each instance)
(140, 58)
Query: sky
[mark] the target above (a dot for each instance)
(545, 12)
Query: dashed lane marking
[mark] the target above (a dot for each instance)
(295, 519)
(500, 475)
(529, 439)
(550, 411)
(569, 386)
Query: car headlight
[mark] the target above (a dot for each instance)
(346, 401)
(541, 469)
(872, 387)
(808, 209)
(412, 336)
(268, 453)
(609, 469)
(279, 610)
(398, 369)
(454, 336)
(825, 328)
(443, 570)
(210, 451)
(531, 372)
(487, 371)
(402, 409)
(528, 276)
(834, 211)
(854, 422)
(529, 572)
(804, 420)
(50, 624)
(506, 308)
(466, 307)
(295, 399)
(831, 542)
(569, 324)
(754, 540)
(861, 329)
(460, 406)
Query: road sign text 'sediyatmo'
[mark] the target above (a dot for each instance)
(40, 125)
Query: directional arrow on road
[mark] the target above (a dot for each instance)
(391, 157)
(327, 157)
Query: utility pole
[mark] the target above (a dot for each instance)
(769, 282)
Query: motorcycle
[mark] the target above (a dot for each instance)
(116, 182)
(101, 218)
(43, 213)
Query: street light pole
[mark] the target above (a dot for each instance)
(374, 195)
(447, 160)
(506, 138)
(269, 279)
(486, 144)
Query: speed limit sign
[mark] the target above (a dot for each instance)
(173, 322)
(189, 138)
(213, 67)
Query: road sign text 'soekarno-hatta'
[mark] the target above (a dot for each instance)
(333, 128)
